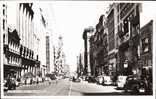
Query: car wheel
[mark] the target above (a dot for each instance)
(14, 87)
(135, 90)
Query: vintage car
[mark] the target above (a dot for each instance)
(121, 81)
(99, 80)
(107, 80)
(134, 85)
(10, 84)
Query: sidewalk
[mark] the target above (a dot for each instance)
(39, 86)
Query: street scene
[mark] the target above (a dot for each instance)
(77, 48)
(65, 88)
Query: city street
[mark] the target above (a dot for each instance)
(77, 48)
(64, 88)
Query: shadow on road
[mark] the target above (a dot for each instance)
(112, 94)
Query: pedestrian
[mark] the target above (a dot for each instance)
(37, 81)
(56, 80)
(49, 82)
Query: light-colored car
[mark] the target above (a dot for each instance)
(17, 83)
(47, 79)
(107, 80)
(121, 81)
(99, 79)
(4, 85)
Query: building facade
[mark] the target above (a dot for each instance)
(47, 53)
(18, 52)
(129, 43)
(98, 48)
(40, 33)
(147, 48)
(24, 44)
(88, 32)
(112, 39)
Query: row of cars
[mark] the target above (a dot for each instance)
(102, 80)
(12, 83)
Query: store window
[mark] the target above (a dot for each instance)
(145, 45)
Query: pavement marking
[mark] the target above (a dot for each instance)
(70, 88)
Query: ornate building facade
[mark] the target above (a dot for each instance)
(22, 41)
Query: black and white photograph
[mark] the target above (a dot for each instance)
(77, 48)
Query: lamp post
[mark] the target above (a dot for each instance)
(86, 45)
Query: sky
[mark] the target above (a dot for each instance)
(69, 20)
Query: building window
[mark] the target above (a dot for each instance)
(3, 11)
(3, 38)
(145, 45)
(3, 24)
(126, 27)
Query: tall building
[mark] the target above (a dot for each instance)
(24, 44)
(146, 43)
(112, 39)
(128, 32)
(40, 32)
(98, 48)
(18, 33)
(49, 53)
(80, 65)
(86, 37)
(25, 15)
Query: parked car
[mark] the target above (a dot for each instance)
(5, 86)
(107, 80)
(71, 78)
(147, 78)
(77, 80)
(91, 79)
(18, 82)
(47, 79)
(99, 79)
(121, 81)
(10, 84)
(86, 78)
(134, 85)
(34, 80)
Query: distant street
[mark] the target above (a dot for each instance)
(64, 88)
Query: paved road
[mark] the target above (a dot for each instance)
(64, 88)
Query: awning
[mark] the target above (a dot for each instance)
(9, 66)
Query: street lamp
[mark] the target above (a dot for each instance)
(85, 37)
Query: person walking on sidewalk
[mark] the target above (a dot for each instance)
(56, 80)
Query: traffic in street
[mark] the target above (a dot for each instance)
(68, 87)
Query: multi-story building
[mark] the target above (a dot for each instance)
(80, 65)
(18, 52)
(112, 39)
(24, 43)
(98, 48)
(40, 32)
(128, 32)
(92, 55)
(146, 43)
(25, 24)
(49, 53)
(88, 32)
